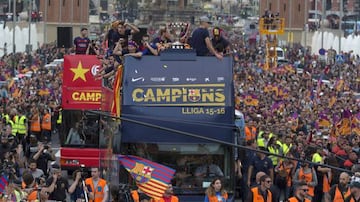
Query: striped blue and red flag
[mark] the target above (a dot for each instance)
(151, 178)
(3, 183)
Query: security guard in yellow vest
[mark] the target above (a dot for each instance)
(21, 127)
(13, 121)
(287, 145)
(16, 124)
(273, 148)
(263, 138)
(59, 119)
(5, 117)
(12, 124)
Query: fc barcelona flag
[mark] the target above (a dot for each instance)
(3, 183)
(151, 178)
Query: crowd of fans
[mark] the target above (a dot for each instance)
(307, 108)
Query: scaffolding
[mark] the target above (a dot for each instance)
(271, 27)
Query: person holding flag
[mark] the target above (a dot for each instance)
(168, 196)
(151, 178)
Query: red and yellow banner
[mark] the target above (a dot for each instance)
(80, 88)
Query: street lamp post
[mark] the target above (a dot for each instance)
(341, 16)
(323, 23)
(306, 26)
(13, 39)
(290, 23)
(45, 27)
(29, 41)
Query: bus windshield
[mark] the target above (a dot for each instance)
(85, 129)
(195, 164)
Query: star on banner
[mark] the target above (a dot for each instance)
(79, 72)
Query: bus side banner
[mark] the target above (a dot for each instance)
(80, 88)
(191, 96)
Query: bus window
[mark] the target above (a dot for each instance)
(80, 129)
(195, 164)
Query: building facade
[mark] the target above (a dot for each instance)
(296, 11)
(63, 13)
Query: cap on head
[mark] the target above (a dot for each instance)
(205, 19)
(84, 28)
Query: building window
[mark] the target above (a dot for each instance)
(299, 7)
(284, 7)
(78, 3)
(49, 4)
(270, 6)
(328, 4)
(63, 2)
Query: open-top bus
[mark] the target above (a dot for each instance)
(167, 101)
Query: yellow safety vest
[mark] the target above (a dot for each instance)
(260, 134)
(274, 159)
(12, 127)
(286, 148)
(6, 117)
(316, 158)
(59, 120)
(15, 127)
(22, 125)
(261, 142)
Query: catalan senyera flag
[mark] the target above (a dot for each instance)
(115, 108)
(332, 101)
(323, 120)
(251, 100)
(268, 88)
(289, 69)
(339, 84)
(43, 92)
(151, 178)
(344, 125)
(266, 66)
(11, 83)
(3, 183)
(277, 106)
(355, 124)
